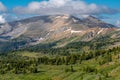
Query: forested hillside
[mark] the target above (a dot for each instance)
(92, 65)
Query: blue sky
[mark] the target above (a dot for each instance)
(109, 10)
(13, 3)
(110, 3)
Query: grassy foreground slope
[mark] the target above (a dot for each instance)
(98, 65)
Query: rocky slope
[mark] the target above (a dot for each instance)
(44, 29)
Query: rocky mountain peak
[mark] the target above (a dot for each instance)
(53, 27)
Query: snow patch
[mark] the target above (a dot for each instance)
(74, 20)
(37, 41)
(41, 39)
(58, 17)
(64, 17)
(73, 31)
(52, 30)
(100, 31)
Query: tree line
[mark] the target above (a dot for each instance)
(19, 64)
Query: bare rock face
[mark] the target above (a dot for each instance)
(53, 28)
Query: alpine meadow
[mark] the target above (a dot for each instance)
(59, 40)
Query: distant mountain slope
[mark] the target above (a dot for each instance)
(63, 28)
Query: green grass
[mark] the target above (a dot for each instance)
(53, 72)
(57, 72)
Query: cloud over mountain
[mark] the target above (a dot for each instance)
(2, 19)
(2, 7)
(118, 23)
(63, 7)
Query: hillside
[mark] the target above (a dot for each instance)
(60, 47)
(60, 30)
(75, 49)
(94, 65)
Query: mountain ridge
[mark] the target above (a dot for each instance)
(50, 19)
(48, 29)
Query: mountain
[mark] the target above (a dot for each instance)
(47, 29)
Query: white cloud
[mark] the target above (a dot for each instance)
(2, 7)
(62, 7)
(118, 23)
(2, 19)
